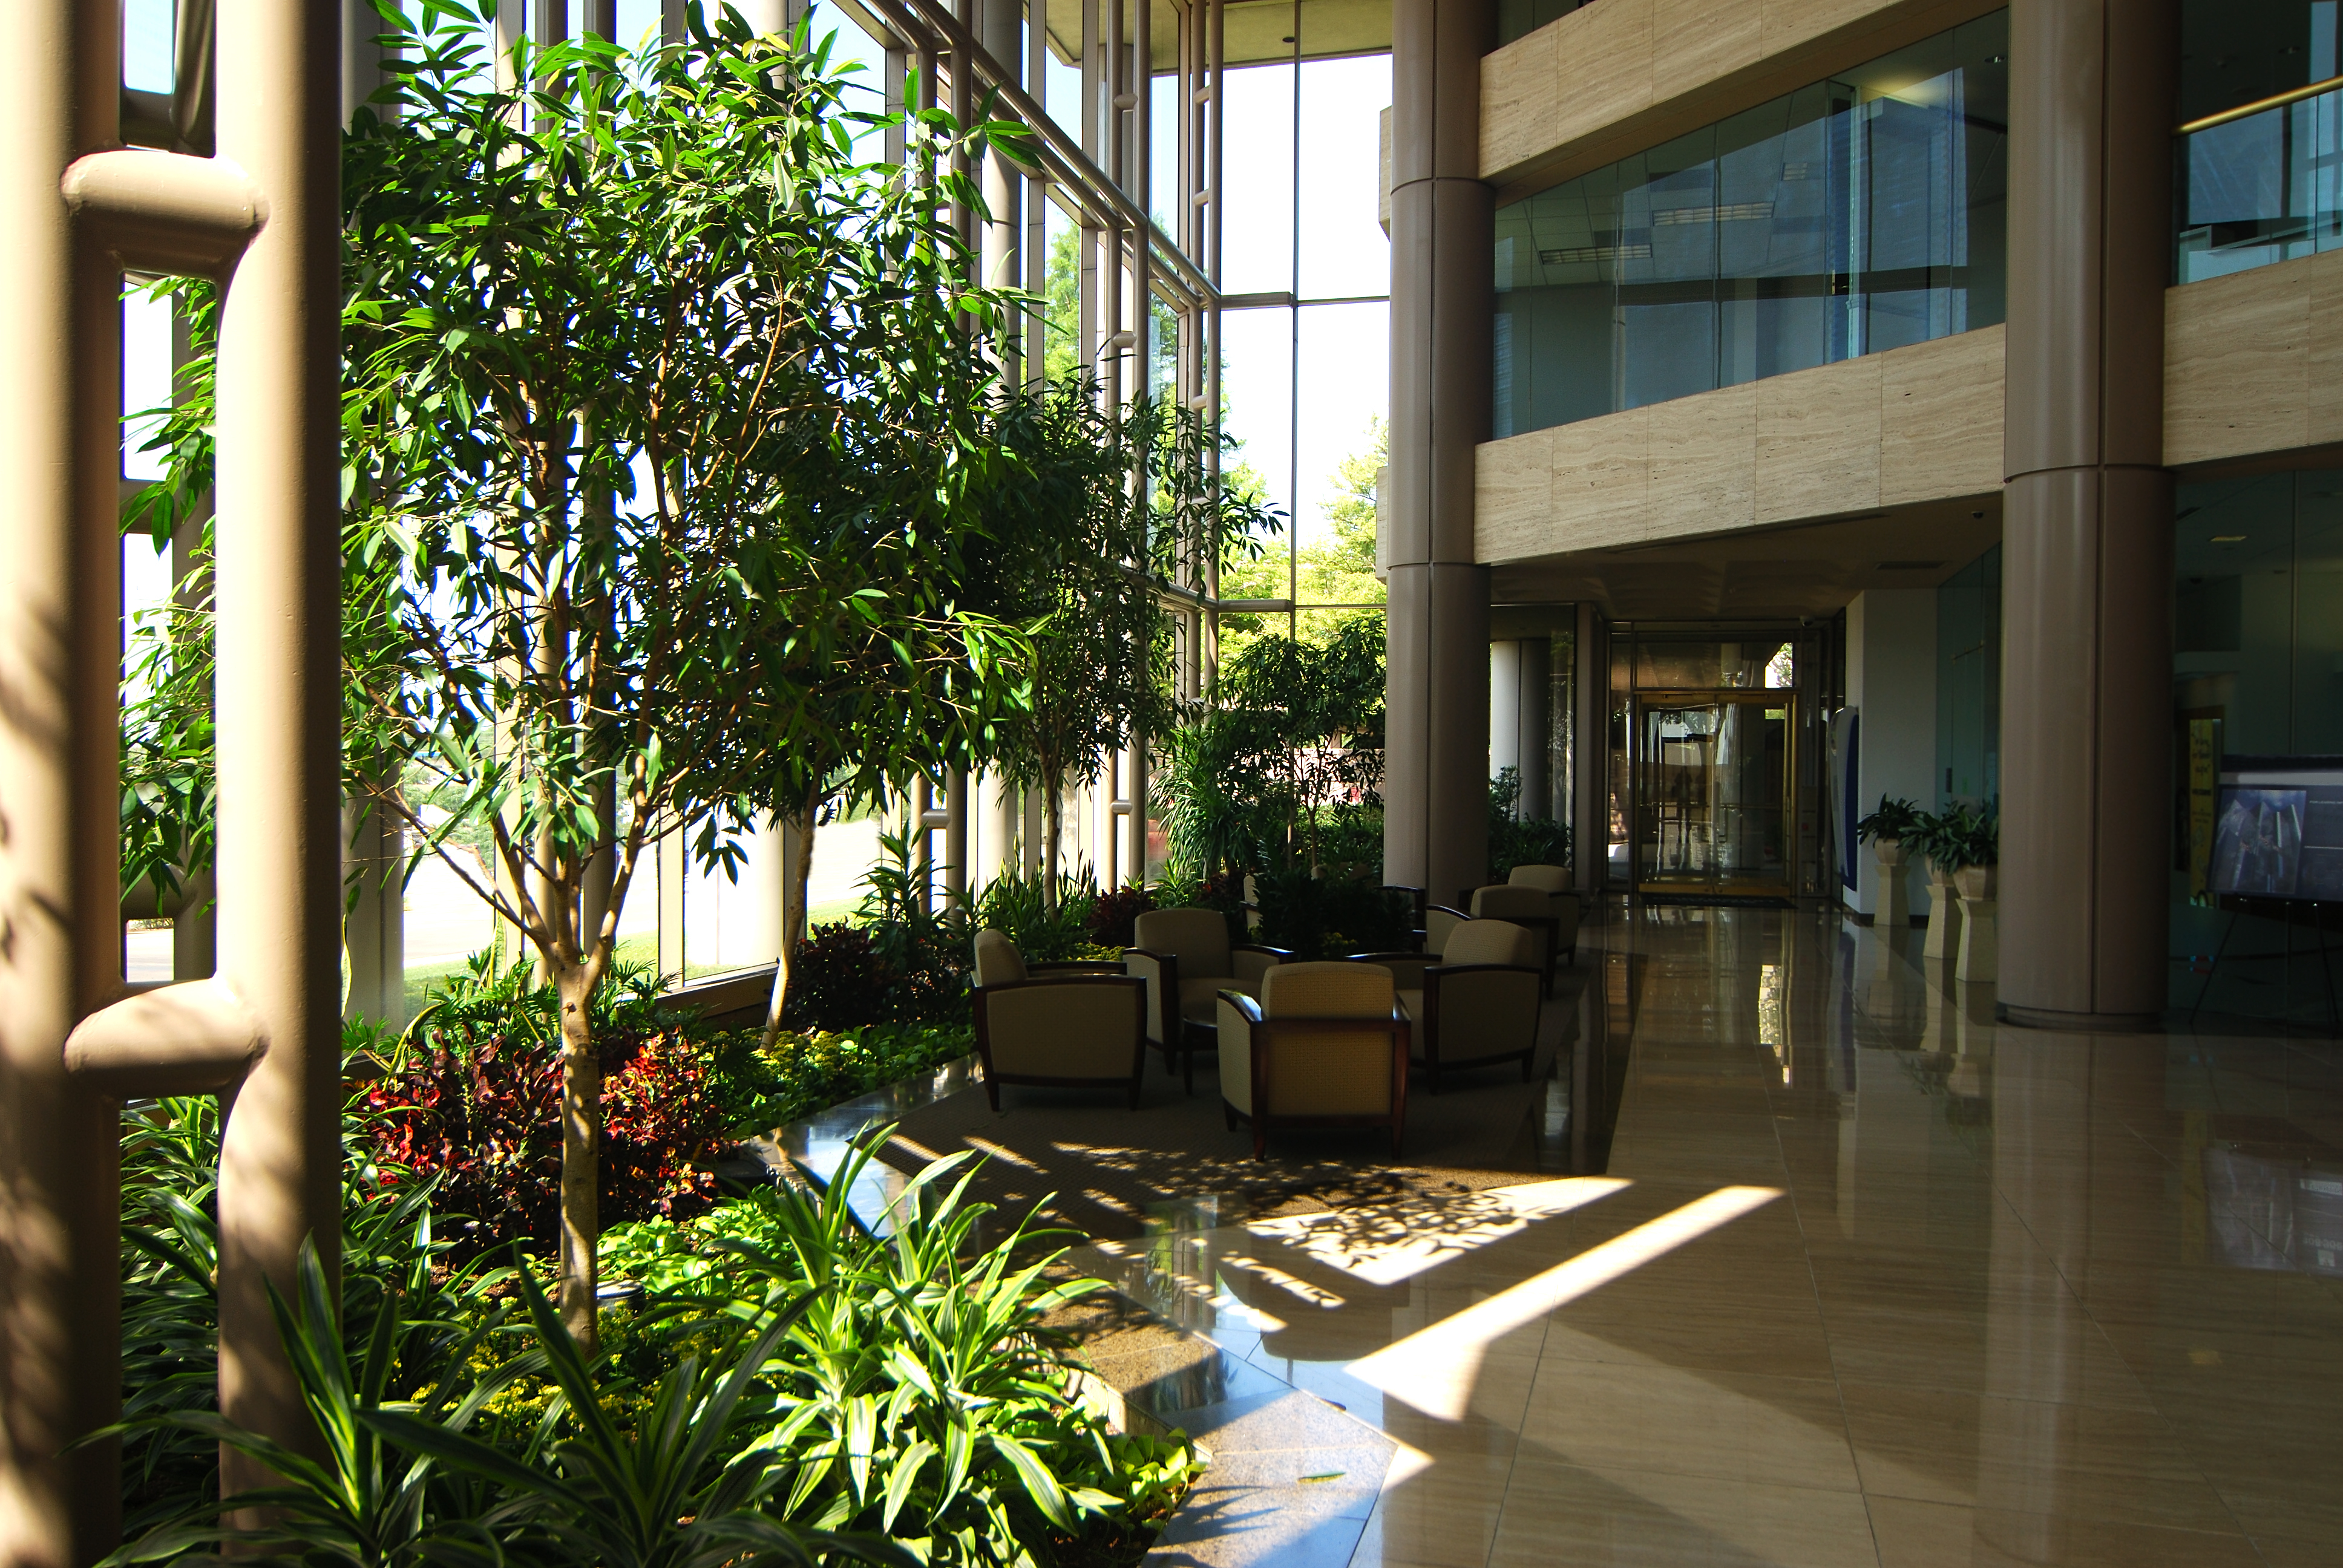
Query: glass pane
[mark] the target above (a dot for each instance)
(1344, 252)
(1257, 119)
(149, 29)
(1520, 18)
(1710, 804)
(1856, 215)
(866, 90)
(1257, 400)
(2318, 616)
(638, 20)
(1344, 395)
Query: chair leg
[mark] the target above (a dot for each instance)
(1187, 1068)
(992, 1092)
(1259, 1138)
(1137, 1079)
(1528, 1058)
(1434, 1075)
(1229, 1114)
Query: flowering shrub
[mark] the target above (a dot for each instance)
(482, 1113)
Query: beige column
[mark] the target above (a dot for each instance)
(1590, 785)
(374, 929)
(1534, 727)
(279, 693)
(1436, 826)
(60, 899)
(2087, 521)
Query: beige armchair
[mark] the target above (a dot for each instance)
(1062, 1024)
(1479, 1003)
(1187, 959)
(1556, 883)
(1438, 921)
(1527, 907)
(1324, 1046)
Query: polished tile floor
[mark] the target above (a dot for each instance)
(1867, 1280)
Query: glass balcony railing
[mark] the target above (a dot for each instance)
(2260, 183)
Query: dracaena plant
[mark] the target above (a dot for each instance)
(663, 442)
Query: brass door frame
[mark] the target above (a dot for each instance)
(1781, 696)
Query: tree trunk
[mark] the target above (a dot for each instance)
(1053, 807)
(581, 1135)
(793, 922)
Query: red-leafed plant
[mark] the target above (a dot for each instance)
(479, 1111)
(1114, 916)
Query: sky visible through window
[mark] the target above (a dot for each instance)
(1302, 386)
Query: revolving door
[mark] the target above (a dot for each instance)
(1714, 783)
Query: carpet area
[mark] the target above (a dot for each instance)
(1103, 1168)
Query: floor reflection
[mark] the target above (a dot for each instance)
(1864, 1278)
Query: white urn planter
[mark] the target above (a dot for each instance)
(1979, 942)
(1895, 911)
(1944, 915)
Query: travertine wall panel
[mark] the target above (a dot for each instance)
(1611, 79)
(2253, 376)
(1817, 438)
(2236, 363)
(1703, 456)
(1922, 423)
(1940, 418)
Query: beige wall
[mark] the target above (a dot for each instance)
(1612, 78)
(2253, 362)
(1916, 424)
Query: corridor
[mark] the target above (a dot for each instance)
(1867, 1280)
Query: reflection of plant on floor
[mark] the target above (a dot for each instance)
(1515, 841)
(785, 1374)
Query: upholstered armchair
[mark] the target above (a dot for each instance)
(1187, 959)
(1439, 919)
(1555, 881)
(1525, 906)
(1324, 1046)
(1070, 1024)
(1479, 1004)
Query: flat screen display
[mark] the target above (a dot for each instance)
(2278, 830)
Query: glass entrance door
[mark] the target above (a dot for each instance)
(1713, 775)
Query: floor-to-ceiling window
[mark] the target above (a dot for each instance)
(1305, 369)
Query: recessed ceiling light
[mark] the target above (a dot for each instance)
(2228, 538)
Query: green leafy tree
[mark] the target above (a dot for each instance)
(1336, 568)
(662, 423)
(1293, 732)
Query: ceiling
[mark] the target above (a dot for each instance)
(1808, 569)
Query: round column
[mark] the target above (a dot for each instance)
(1436, 738)
(2087, 518)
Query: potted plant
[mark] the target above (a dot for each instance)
(1944, 902)
(1967, 843)
(1886, 830)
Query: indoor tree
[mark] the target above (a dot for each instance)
(661, 418)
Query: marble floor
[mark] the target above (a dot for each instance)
(1866, 1280)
